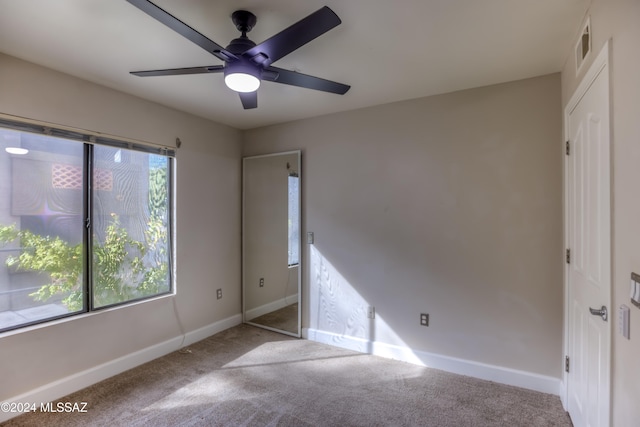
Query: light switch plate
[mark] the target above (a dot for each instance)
(371, 312)
(623, 321)
(310, 237)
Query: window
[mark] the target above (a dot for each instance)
(83, 225)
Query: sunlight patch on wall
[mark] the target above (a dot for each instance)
(337, 310)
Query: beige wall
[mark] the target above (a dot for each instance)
(449, 205)
(208, 227)
(618, 20)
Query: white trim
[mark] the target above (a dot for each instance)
(64, 386)
(455, 365)
(212, 329)
(598, 64)
(269, 307)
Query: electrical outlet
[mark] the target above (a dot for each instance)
(262, 282)
(424, 319)
(371, 312)
(219, 294)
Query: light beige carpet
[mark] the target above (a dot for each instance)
(247, 376)
(285, 319)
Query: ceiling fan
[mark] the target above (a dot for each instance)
(246, 63)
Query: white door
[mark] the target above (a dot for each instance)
(589, 241)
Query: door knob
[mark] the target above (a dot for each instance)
(602, 312)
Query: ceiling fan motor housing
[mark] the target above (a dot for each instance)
(240, 45)
(243, 66)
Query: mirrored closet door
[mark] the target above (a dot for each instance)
(271, 275)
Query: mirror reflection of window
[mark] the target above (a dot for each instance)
(293, 219)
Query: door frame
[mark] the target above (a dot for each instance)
(599, 64)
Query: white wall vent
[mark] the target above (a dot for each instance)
(583, 46)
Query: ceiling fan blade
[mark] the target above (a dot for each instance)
(179, 71)
(183, 29)
(302, 80)
(249, 99)
(293, 37)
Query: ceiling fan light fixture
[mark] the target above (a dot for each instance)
(241, 77)
(241, 82)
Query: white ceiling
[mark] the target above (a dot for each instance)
(386, 50)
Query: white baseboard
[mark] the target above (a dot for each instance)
(272, 306)
(454, 365)
(212, 329)
(563, 395)
(80, 380)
